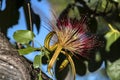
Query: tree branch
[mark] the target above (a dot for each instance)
(13, 66)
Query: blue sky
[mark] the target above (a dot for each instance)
(44, 7)
(37, 7)
(22, 24)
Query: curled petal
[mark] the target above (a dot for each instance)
(54, 58)
(47, 41)
(71, 62)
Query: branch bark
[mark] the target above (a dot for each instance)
(13, 66)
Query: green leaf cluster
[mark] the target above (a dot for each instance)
(113, 70)
(104, 9)
(111, 36)
(24, 37)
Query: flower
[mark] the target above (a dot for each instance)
(74, 36)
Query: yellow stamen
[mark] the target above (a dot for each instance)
(64, 64)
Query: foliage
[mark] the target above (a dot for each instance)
(113, 69)
(23, 36)
(10, 15)
(103, 18)
(111, 37)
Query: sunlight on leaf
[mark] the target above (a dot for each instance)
(103, 5)
(39, 76)
(37, 61)
(59, 5)
(23, 36)
(111, 36)
(118, 1)
(26, 50)
(46, 53)
(92, 3)
(113, 70)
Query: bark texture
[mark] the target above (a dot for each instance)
(12, 65)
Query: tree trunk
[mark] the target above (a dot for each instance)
(13, 66)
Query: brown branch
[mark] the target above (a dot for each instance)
(13, 66)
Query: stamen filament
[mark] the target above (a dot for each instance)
(63, 64)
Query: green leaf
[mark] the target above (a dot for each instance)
(37, 61)
(46, 53)
(118, 1)
(101, 5)
(40, 76)
(113, 70)
(23, 36)
(26, 50)
(111, 37)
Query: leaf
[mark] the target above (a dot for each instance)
(37, 61)
(113, 70)
(92, 24)
(118, 1)
(46, 53)
(26, 50)
(23, 36)
(59, 5)
(10, 15)
(40, 76)
(111, 36)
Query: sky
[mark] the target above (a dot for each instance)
(44, 7)
(22, 25)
